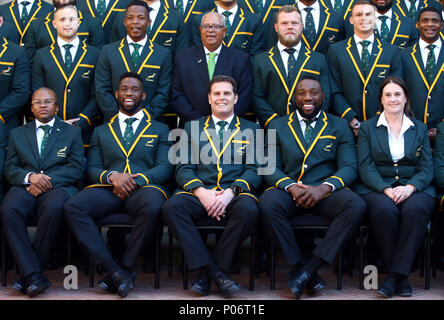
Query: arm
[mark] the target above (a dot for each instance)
(104, 87)
(38, 73)
(438, 157)
(182, 40)
(14, 172)
(90, 111)
(257, 41)
(96, 170)
(96, 34)
(244, 86)
(325, 82)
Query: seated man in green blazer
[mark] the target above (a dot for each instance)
(43, 163)
(315, 162)
(218, 173)
(128, 167)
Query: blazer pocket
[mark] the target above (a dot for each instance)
(382, 71)
(149, 140)
(6, 71)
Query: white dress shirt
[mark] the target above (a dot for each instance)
(155, 7)
(106, 3)
(359, 45)
(231, 16)
(141, 42)
(332, 2)
(28, 7)
(407, 4)
(122, 117)
(425, 51)
(285, 55)
(207, 52)
(316, 13)
(216, 120)
(184, 2)
(75, 45)
(396, 145)
(388, 14)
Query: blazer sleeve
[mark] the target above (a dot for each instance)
(244, 86)
(38, 73)
(14, 172)
(96, 34)
(104, 86)
(257, 41)
(90, 111)
(95, 165)
(438, 157)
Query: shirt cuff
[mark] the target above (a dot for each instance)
(107, 177)
(331, 185)
(286, 188)
(26, 180)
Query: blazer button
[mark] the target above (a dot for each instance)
(41, 171)
(396, 178)
(395, 164)
(428, 115)
(69, 90)
(429, 97)
(365, 91)
(305, 166)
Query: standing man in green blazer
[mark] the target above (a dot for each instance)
(166, 28)
(423, 66)
(405, 7)
(44, 161)
(128, 167)
(245, 32)
(151, 61)
(42, 32)
(67, 67)
(8, 31)
(276, 72)
(315, 163)
(358, 65)
(218, 176)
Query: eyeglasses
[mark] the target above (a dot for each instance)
(40, 102)
(215, 27)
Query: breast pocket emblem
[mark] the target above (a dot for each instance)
(150, 78)
(62, 152)
(382, 74)
(6, 72)
(86, 74)
(150, 143)
(328, 147)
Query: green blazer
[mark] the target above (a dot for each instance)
(331, 156)
(232, 166)
(354, 93)
(11, 14)
(376, 167)
(426, 98)
(75, 91)
(168, 29)
(14, 82)
(62, 159)
(438, 164)
(148, 155)
(42, 33)
(400, 7)
(154, 66)
(246, 32)
(8, 31)
(272, 94)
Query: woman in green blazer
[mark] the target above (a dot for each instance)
(396, 169)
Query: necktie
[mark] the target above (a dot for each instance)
(338, 5)
(291, 66)
(259, 6)
(308, 134)
(221, 124)
(25, 14)
(101, 8)
(365, 55)
(211, 64)
(46, 128)
(128, 135)
(309, 28)
(179, 6)
(68, 57)
(135, 54)
(430, 64)
(412, 10)
(227, 23)
(384, 28)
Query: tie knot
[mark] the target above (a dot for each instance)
(136, 46)
(412, 2)
(45, 127)
(383, 18)
(67, 46)
(130, 121)
(290, 51)
(227, 13)
(431, 47)
(365, 43)
(308, 9)
(309, 121)
(222, 124)
(25, 3)
(212, 55)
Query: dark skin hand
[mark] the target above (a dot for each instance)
(123, 183)
(307, 196)
(41, 181)
(34, 190)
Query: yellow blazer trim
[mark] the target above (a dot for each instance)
(327, 12)
(241, 141)
(395, 35)
(190, 11)
(85, 117)
(165, 14)
(22, 33)
(269, 119)
(67, 80)
(342, 182)
(283, 179)
(86, 145)
(2, 119)
(249, 6)
(311, 71)
(429, 87)
(151, 66)
(237, 125)
(313, 144)
(86, 65)
(268, 11)
(242, 18)
(290, 120)
(332, 29)
(345, 112)
(164, 194)
(90, 8)
(7, 63)
(47, 21)
(247, 33)
(398, 4)
(149, 136)
(144, 177)
(185, 192)
(167, 31)
(122, 44)
(100, 179)
(82, 33)
(440, 203)
(270, 188)
(109, 13)
(147, 58)
(382, 66)
(98, 185)
(5, 47)
(190, 182)
(348, 9)
(248, 194)
(242, 180)
(328, 137)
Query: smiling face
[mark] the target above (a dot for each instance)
(429, 25)
(66, 22)
(130, 95)
(44, 105)
(289, 28)
(222, 99)
(212, 38)
(382, 5)
(136, 22)
(309, 98)
(393, 99)
(363, 20)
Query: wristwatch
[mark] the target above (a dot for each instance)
(356, 125)
(236, 190)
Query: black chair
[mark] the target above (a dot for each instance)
(208, 224)
(121, 220)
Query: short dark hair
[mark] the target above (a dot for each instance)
(431, 9)
(360, 3)
(46, 89)
(223, 78)
(139, 3)
(70, 6)
(309, 77)
(286, 9)
(131, 75)
(74, 3)
(396, 80)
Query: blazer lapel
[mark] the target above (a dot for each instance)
(439, 64)
(125, 55)
(382, 136)
(160, 17)
(352, 49)
(200, 62)
(143, 55)
(416, 56)
(296, 130)
(221, 61)
(30, 131)
(52, 32)
(55, 132)
(278, 63)
(58, 57)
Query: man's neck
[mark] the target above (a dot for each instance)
(68, 40)
(139, 39)
(430, 41)
(132, 113)
(151, 2)
(228, 6)
(212, 48)
(364, 36)
(384, 11)
(308, 3)
(223, 116)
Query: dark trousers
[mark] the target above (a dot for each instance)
(399, 230)
(343, 208)
(17, 208)
(93, 204)
(182, 210)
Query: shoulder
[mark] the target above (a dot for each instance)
(232, 52)
(279, 123)
(340, 45)
(246, 124)
(334, 120)
(421, 126)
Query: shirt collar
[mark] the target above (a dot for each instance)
(387, 14)
(50, 123)
(406, 122)
(315, 6)
(232, 10)
(75, 42)
(216, 120)
(281, 47)
(155, 6)
(300, 118)
(358, 39)
(31, 2)
(217, 50)
(423, 44)
(139, 116)
(141, 42)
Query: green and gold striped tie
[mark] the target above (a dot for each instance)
(365, 55)
(222, 125)
(128, 135)
(47, 129)
(430, 64)
(308, 133)
(135, 55)
(25, 14)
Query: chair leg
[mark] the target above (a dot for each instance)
(435, 244)
(4, 271)
(252, 249)
(427, 262)
(92, 269)
(339, 279)
(185, 273)
(170, 253)
(157, 269)
(273, 267)
(361, 258)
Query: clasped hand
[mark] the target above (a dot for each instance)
(400, 193)
(123, 184)
(307, 196)
(215, 202)
(39, 183)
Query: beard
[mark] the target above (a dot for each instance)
(311, 115)
(132, 110)
(384, 8)
(289, 40)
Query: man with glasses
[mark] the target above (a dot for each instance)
(201, 63)
(43, 163)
